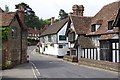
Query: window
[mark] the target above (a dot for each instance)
(73, 52)
(93, 28)
(49, 38)
(71, 37)
(14, 32)
(110, 25)
(62, 37)
(60, 46)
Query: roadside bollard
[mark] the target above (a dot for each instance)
(27, 59)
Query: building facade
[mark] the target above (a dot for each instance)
(53, 40)
(14, 49)
(94, 37)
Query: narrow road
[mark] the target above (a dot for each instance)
(52, 67)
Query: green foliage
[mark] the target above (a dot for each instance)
(4, 33)
(6, 8)
(34, 21)
(63, 14)
(31, 20)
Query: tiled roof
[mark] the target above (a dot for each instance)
(53, 29)
(106, 37)
(107, 13)
(81, 24)
(6, 18)
(1, 10)
(85, 42)
(33, 31)
(117, 20)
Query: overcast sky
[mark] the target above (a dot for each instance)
(50, 8)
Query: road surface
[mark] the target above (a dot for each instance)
(51, 67)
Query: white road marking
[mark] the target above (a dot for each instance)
(36, 69)
(34, 73)
(33, 51)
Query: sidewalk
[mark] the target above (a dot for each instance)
(22, 71)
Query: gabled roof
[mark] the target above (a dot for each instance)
(33, 31)
(53, 29)
(107, 13)
(117, 20)
(6, 18)
(1, 10)
(81, 24)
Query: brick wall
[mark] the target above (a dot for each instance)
(14, 44)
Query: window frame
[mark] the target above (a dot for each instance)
(62, 38)
(110, 27)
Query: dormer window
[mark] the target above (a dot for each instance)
(94, 27)
(110, 27)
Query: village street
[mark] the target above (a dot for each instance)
(51, 67)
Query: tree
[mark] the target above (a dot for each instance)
(6, 8)
(63, 14)
(31, 20)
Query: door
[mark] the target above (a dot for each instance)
(104, 50)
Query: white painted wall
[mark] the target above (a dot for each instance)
(80, 51)
(92, 57)
(115, 52)
(63, 51)
(55, 50)
(96, 41)
(62, 32)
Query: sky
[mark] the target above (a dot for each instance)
(50, 8)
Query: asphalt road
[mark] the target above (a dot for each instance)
(51, 67)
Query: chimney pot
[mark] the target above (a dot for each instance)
(52, 20)
(78, 10)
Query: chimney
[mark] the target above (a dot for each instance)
(81, 9)
(52, 20)
(78, 10)
(21, 13)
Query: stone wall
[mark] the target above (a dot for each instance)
(100, 64)
(14, 43)
(70, 58)
(24, 47)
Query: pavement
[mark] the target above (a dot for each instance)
(20, 72)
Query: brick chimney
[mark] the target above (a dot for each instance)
(78, 10)
(52, 20)
(21, 13)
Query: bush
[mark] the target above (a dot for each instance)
(4, 33)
